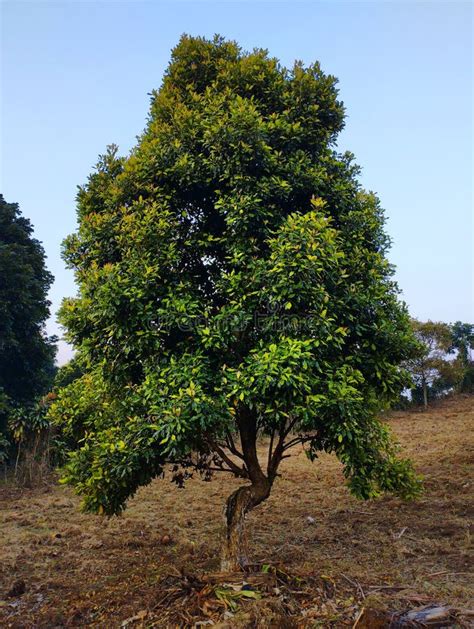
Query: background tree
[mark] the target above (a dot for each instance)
(462, 341)
(431, 368)
(232, 283)
(26, 353)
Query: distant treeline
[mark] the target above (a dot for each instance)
(444, 361)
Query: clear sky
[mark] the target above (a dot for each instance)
(75, 77)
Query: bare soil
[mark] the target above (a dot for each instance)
(322, 558)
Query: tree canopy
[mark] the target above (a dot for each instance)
(26, 353)
(233, 283)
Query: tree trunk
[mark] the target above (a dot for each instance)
(235, 547)
(425, 395)
(234, 551)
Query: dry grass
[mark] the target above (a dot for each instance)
(83, 570)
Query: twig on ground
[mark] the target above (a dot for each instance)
(359, 616)
(443, 572)
(399, 535)
(375, 588)
(356, 584)
(360, 512)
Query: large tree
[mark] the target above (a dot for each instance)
(233, 283)
(26, 353)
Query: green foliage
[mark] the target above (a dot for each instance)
(26, 353)
(66, 374)
(232, 278)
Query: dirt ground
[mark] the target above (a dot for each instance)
(322, 558)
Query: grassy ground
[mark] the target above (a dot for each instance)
(156, 565)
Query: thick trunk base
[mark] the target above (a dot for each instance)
(235, 556)
(235, 546)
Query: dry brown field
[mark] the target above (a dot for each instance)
(328, 559)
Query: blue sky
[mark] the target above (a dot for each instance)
(75, 77)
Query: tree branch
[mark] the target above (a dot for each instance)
(298, 440)
(270, 448)
(237, 470)
(232, 447)
(280, 447)
(247, 424)
(221, 469)
(290, 426)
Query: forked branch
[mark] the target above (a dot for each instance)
(236, 469)
(232, 447)
(276, 457)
